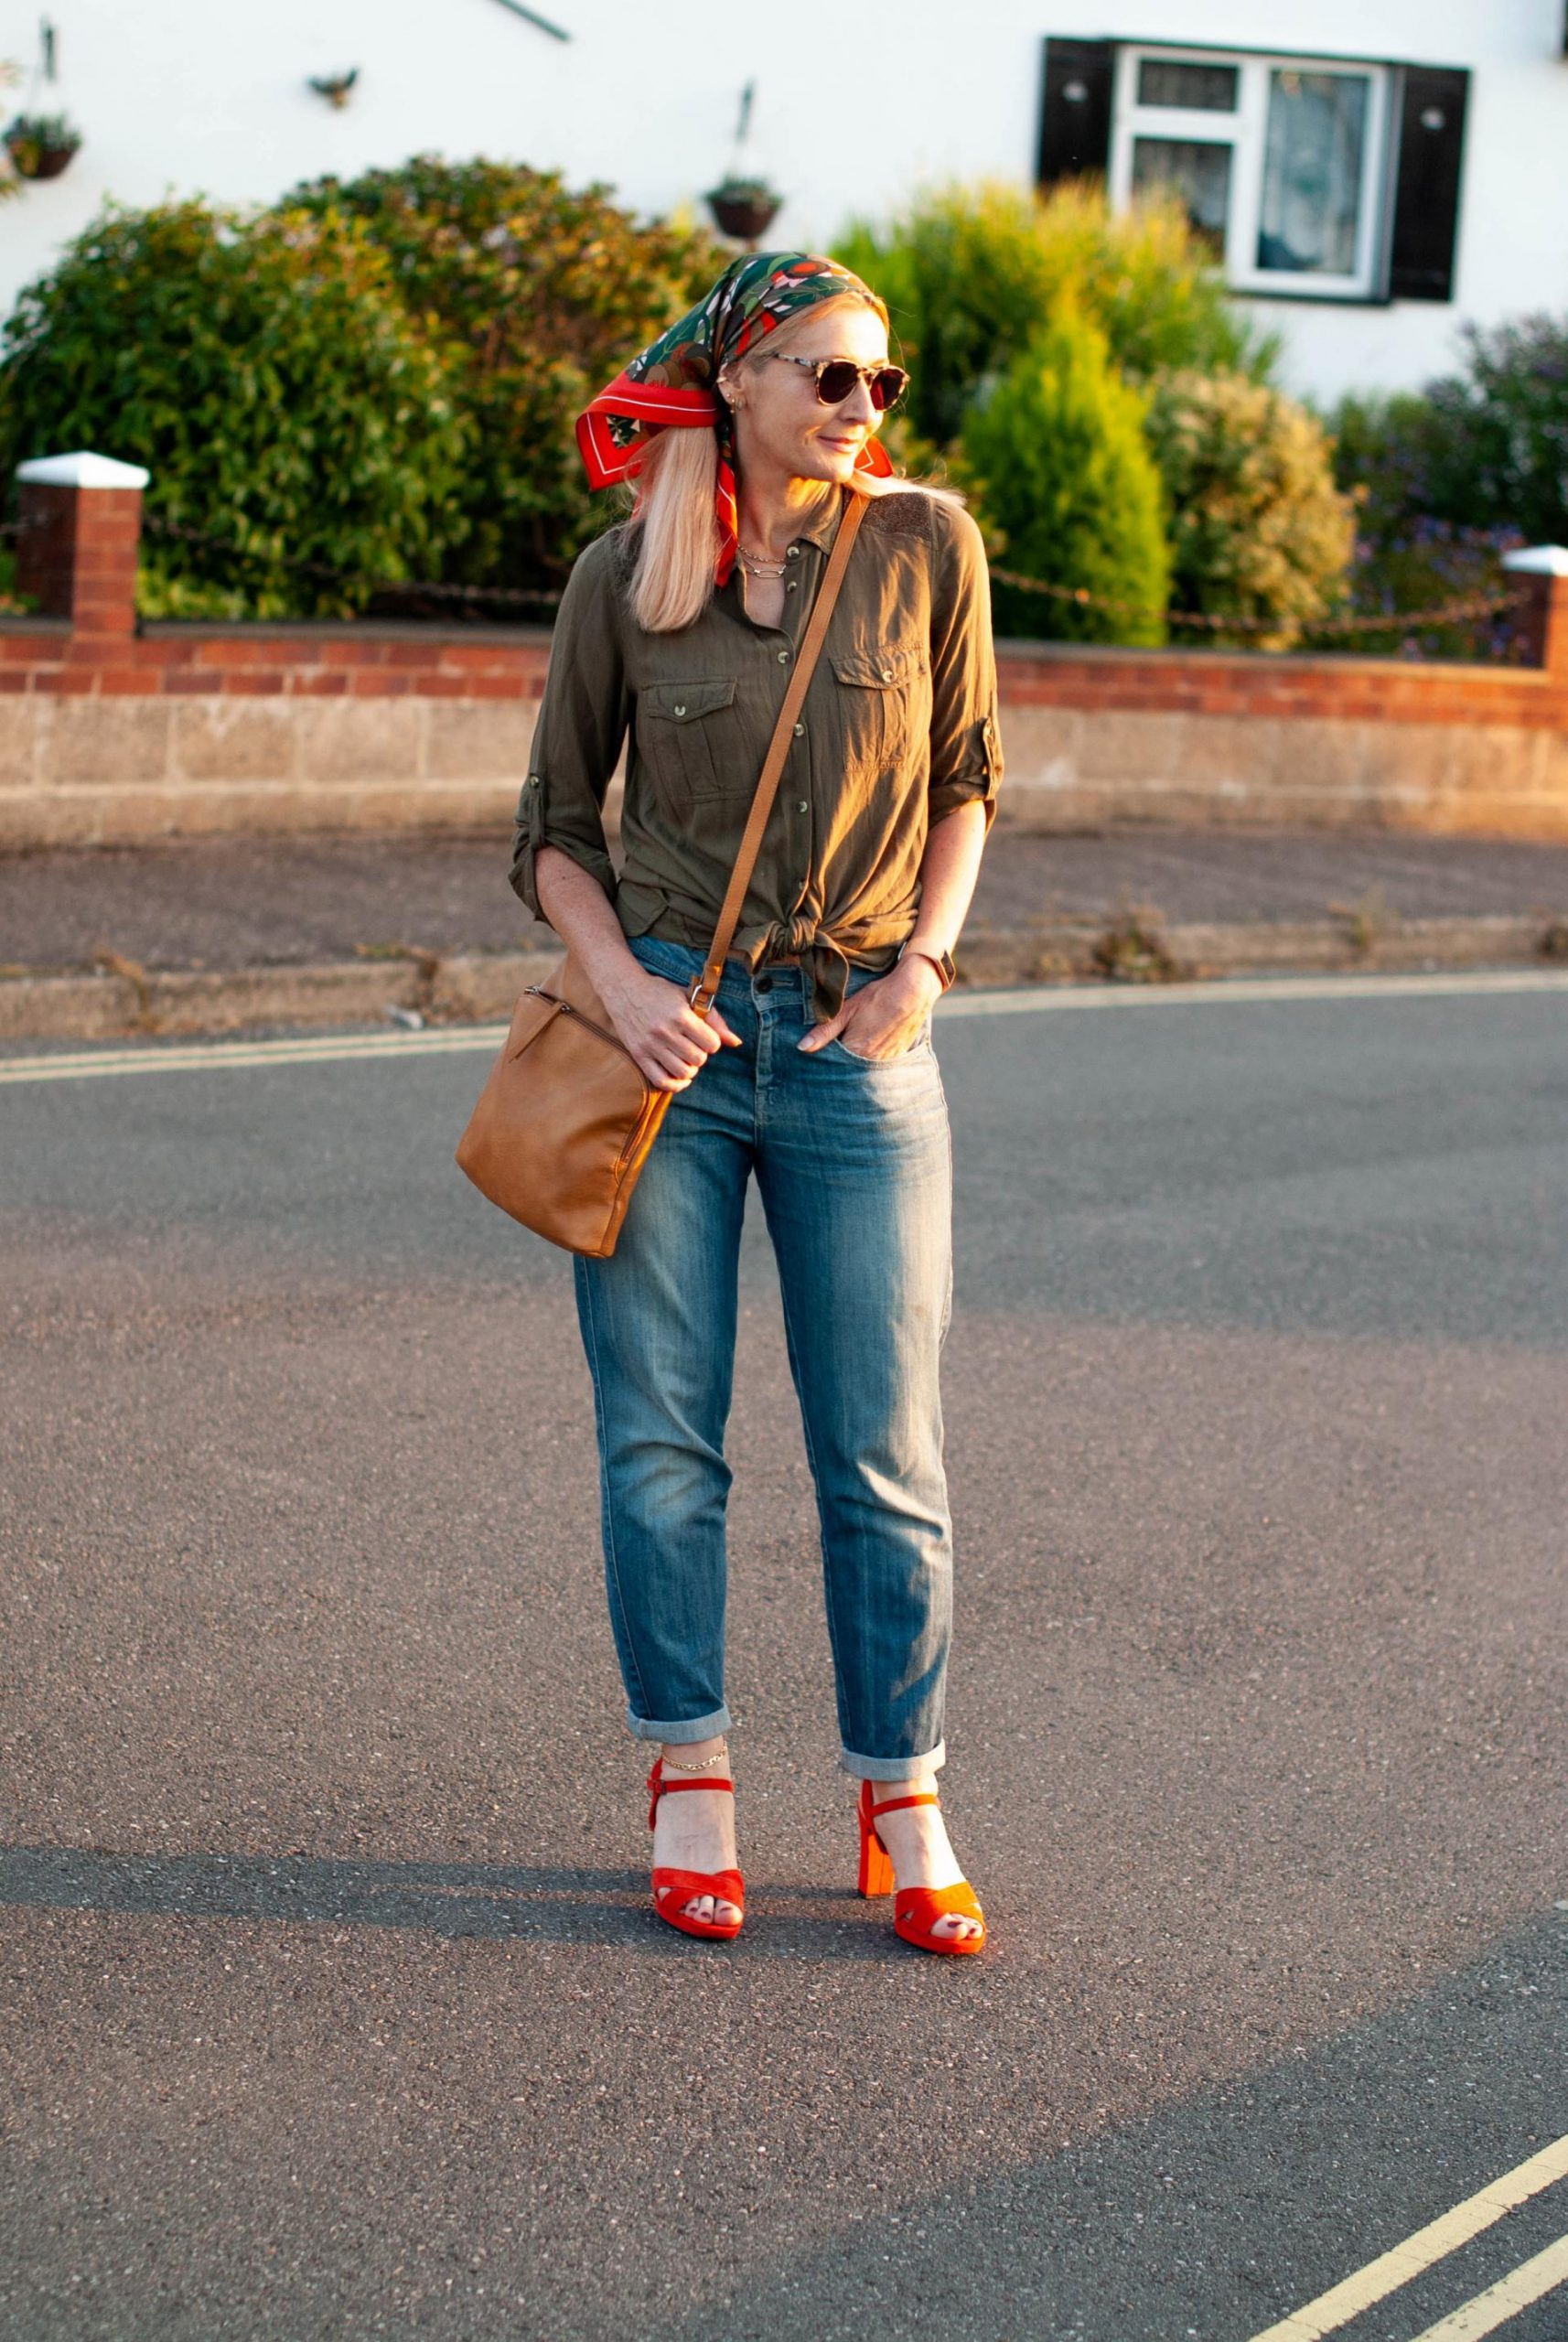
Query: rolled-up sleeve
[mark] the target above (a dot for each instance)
(579, 731)
(966, 740)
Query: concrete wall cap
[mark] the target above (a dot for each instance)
(86, 470)
(1539, 560)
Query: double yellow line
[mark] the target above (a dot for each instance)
(195, 1057)
(1528, 2282)
(447, 1040)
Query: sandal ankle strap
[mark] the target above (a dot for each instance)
(659, 1786)
(892, 1804)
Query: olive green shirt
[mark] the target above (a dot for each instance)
(898, 729)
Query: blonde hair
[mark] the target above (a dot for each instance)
(677, 534)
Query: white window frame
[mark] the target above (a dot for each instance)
(1245, 132)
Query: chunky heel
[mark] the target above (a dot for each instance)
(673, 1888)
(916, 1909)
(875, 1863)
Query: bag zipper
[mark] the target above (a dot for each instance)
(651, 1099)
(644, 1117)
(567, 1010)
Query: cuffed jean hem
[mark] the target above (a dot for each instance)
(892, 1769)
(676, 1735)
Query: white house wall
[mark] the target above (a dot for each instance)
(854, 109)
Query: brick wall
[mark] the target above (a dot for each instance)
(181, 731)
(109, 732)
(1184, 735)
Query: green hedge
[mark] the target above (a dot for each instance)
(1067, 490)
(375, 381)
(376, 378)
(1024, 320)
(268, 374)
(1450, 480)
(536, 296)
(1257, 531)
(971, 275)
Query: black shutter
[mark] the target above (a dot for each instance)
(1426, 183)
(1075, 109)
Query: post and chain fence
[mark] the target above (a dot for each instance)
(412, 589)
(1464, 609)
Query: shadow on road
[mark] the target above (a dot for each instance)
(559, 1904)
(1219, 2214)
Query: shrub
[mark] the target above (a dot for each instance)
(265, 371)
(1065, 485)
(971, 275)
(1386, 450)
(1452, 480)
(1428, 566)
(1499, 457)
(1259, 530)
(539, 295)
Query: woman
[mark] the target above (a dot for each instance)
(745, 425)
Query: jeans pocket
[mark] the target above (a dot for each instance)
(919, 1046)
(678, 963)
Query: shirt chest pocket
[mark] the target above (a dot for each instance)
(687, 733)
(884, 699)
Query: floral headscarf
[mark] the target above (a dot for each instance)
(672, 385)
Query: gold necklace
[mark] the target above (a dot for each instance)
(757, 564)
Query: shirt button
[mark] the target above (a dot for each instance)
(792, 585)
(886, 677)
(783, 658)
(793, 553)
(802, 806)
(799, 731)
(680, 711)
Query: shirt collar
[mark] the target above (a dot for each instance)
(822, 528)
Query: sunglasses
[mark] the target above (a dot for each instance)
(836, 377)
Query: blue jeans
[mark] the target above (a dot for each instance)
(853, 1164)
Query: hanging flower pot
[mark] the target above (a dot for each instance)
(41, 145)
(336, 88)
(743, 209)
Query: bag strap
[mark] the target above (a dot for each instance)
(700, 995)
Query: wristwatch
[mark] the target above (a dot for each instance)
(941, 961)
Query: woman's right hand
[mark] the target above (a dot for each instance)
(664, 1033)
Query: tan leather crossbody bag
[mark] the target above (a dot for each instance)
(563, 1125)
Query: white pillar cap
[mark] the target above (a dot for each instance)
(1539, 560)
(85, 470)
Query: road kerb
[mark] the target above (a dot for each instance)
(119, 1003)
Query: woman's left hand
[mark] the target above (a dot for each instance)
(884, 1018)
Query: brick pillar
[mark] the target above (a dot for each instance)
(81, 519)
(1542, 570)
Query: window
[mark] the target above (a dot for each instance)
(1279, 160)
(1333, 178)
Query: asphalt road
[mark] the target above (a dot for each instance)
(333, 2004)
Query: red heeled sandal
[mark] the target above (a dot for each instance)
(916, 1909)
(673, 1888)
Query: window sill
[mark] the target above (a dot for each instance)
(1312, 300)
